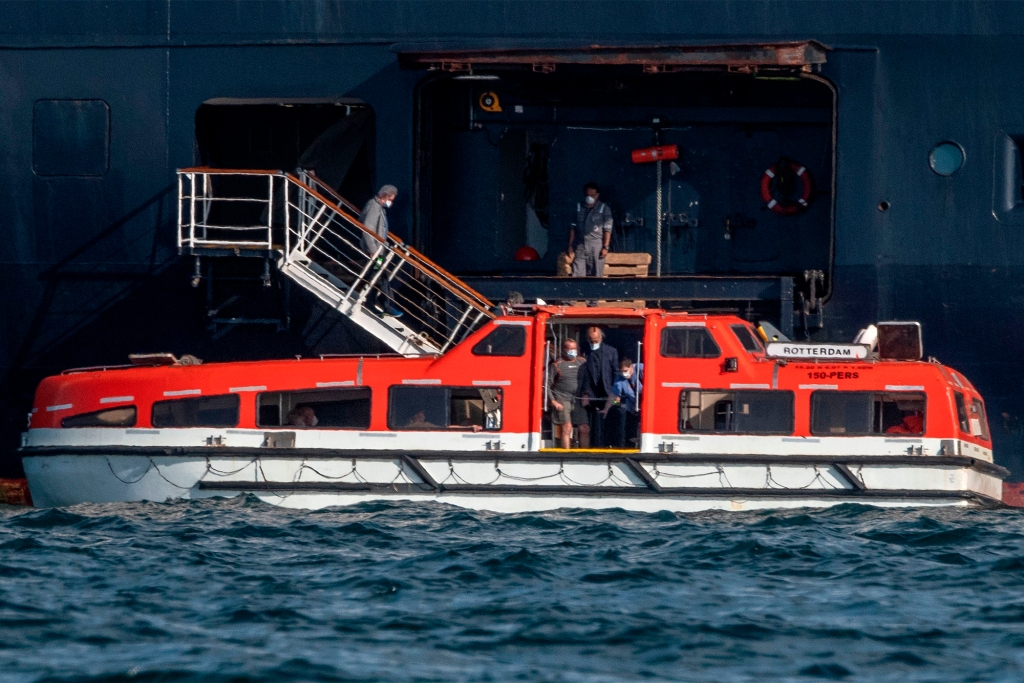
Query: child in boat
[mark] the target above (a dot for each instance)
(622, 405)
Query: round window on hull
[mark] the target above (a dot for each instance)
(946, 158)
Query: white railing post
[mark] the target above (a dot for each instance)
(287, 220)
(180, 226)
(207, 203)
(192, 210)
(270, 211)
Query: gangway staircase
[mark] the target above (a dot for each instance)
(319, 244)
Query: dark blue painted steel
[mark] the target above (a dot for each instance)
(89, 268)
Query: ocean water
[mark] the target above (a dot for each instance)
(236, 590)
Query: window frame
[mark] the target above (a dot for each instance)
(184, 399)
(521, 329)
(977, 403)
(668, 329)
(963, 415)
(447, 388)
(135, 418)
(758, 346)
(875, 393)
(325, 390)
(684, 405)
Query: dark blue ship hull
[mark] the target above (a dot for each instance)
(102, 101)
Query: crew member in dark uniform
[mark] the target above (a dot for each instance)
(591, 236)
(563, 381)
(597, 379)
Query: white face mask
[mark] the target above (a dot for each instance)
(570, 353)
(594, 346)
(626, 374)
(590, 200)
(388, 203)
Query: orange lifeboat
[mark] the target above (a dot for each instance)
(722, 421)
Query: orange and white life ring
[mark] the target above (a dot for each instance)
(779, 202)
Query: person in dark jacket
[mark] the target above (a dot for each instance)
(597, 379)
(375, 218)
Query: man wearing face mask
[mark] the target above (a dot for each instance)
(375, 218)
(597, 380)
(563, 380)
(591, 235)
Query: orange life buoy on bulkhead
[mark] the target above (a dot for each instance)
(778, 190)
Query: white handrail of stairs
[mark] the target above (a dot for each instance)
(314, 233)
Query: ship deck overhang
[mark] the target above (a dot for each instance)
(795, 54)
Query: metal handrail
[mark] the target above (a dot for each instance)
(321, 187)
(319, 230)
(406, 253)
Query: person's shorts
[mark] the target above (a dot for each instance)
(565, 415)
(580, 416)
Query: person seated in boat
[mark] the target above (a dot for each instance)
(419, 421)
(302, 416)
(596, 380)
(563, 379)
(622, 406)
(913, 423)
(468, 424)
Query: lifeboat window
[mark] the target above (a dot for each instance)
(979, 424)
(746, 338)
(863, 413)
(688, 342)
(122, 416)
(325, 409)
(961, 413)
(428, 408)
(738, 412)
(207, 411)
(503, 340)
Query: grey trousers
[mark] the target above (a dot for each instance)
(588, 261)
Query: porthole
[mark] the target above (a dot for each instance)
(946, 158)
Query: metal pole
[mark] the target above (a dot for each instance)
(287, 219)
(270, 213)
(180, 226)
(657, 223)
(192, 212)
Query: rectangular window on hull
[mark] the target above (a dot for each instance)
(324, 409)
(736, 412)
(864, 413)
(746, 338)
(207, 411)
(504, 340)
(961, 413)
(688, 342)
(123, 416)
(979, 423)
(429, 408)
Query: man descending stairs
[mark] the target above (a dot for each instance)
(375, 218)
(353, 265)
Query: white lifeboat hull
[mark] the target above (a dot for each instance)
(503, 482)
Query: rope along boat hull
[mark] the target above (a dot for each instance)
(304, 478)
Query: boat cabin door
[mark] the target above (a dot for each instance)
(597, 392)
